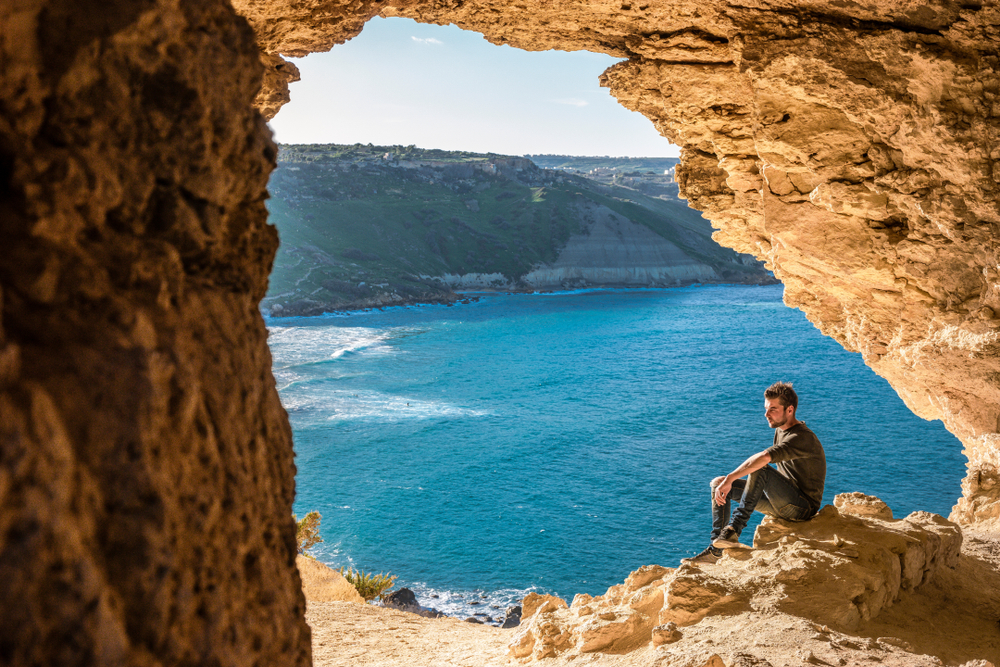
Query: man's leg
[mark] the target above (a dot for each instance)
(720, 513)
(783, 499)
(720, 519)
(770, 490)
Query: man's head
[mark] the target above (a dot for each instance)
(780, 402)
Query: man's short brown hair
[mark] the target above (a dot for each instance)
(784, 393)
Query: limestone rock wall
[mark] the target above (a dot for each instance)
(852, 146)
(146, 473)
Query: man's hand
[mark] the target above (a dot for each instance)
(722, 491)
(752, 464)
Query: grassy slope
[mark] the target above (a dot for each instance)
(347, 216)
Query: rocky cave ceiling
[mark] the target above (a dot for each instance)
(146, 471)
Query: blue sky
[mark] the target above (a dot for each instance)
(402, 82)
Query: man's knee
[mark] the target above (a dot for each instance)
(715, 482)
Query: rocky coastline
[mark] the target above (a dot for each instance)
(454, 298)
(853, 586)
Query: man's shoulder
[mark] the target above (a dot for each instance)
(802, 433)
(801, 427)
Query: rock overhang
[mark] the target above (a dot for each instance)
(853, 147)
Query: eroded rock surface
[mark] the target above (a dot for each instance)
(851, 146)
(146, 473)
(840, 570)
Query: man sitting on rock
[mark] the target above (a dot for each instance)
(791, 490)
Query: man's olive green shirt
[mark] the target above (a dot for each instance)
(797, 454)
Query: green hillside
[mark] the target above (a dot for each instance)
(366, 226)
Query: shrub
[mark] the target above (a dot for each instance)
(369, 586)
(307, 532)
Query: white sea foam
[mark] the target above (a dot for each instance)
(297, 350)
(295, 346)
(379, 406)
(323, 401)
(487, 606)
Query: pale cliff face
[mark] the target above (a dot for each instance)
(851, 147)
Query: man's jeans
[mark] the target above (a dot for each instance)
(766, 491)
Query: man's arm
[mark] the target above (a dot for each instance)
(752, 464)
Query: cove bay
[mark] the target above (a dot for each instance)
(556, 442)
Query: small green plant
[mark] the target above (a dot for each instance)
(369, 586)
(307, 532)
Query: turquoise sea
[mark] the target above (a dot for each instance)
(556, 442)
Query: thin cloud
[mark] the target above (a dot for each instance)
(572, 101)
(428, 40)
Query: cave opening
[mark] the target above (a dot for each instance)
(146, 466)
(356, 516)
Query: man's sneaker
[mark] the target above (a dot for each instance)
(709, 555)
(727, 539)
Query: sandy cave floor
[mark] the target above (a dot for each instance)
(951, 621)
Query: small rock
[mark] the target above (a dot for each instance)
(895, 641)
(401, 599)
(862, 505)
(747, 660)
(666, 634)
(512, 619)
(473, 619)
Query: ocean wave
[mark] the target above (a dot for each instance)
(300, 346)
(373, 405)
(487, 606)
(324, 402)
